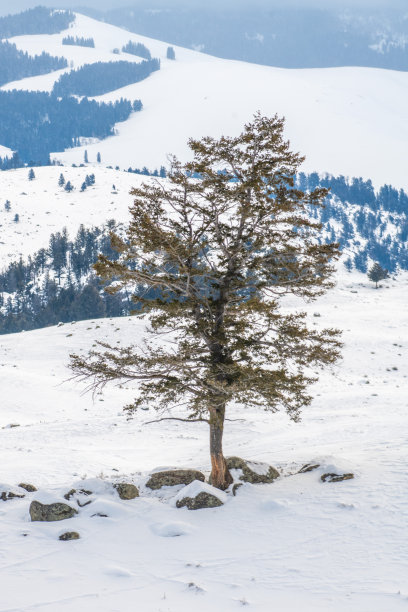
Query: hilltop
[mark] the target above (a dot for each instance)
(349, 121)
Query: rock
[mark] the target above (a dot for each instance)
(27, 487)
(51, 512)
(331, 477)
(202, 500)
(309, 467)
(7, 495)
(69, 535)
(69, 494)
(252, 471)
(170, 478)
(126, 490)
(235, 487)
(73, 492)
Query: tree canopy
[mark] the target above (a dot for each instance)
(210, 254)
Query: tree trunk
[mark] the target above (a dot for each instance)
(220, 475)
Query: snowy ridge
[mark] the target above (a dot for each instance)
(349, 121)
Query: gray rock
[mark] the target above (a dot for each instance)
(171, 478)
(69, 494)
(27, 487)
(235, 487)
(202, 500)
(51, 512)
(126, 490)
(72, 492)
(69, 535)
(309, 467)
(330, 477)
(249, 475)
(7, 495)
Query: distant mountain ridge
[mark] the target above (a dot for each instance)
(287, 37)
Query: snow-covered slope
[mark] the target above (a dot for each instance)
(45, 208)
(296, 544)
(351, 121)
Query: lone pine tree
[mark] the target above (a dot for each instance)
(211, 252)
(376, 274)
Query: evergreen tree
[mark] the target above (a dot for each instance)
(89, 304)
(16, 218)
(83, 186)
(171, 54)
(7, 205)
(214, 257)
(98, 158)
(376, 274)
(31, 175)
(86, 157)
(61, 180)
(69, 187)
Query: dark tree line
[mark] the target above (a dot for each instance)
(358, 191)
(101, 77)
(36, 123)
(57, 284)
(137, 49)
(146, 172)
(375, 228)
(15, 64)
(39, 20)
(78, 41)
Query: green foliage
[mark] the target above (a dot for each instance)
(376, 274)
(102, 77)
(16, 64)
(137, 49)
(38, 20)
(211, 253)
(78, 41)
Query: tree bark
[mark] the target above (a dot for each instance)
(220, 475)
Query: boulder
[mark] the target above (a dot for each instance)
(199, 495)
(170, 478)
(331, 477)
(252, 471)
(69, 535)
(27, 487)
(202, 500)
(51, 512)
(126, 490)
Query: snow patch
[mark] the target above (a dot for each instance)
(171, 530)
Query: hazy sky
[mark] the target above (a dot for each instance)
(17, 5)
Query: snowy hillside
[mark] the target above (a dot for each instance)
(295, 544)
(44, 208)
(350, 121)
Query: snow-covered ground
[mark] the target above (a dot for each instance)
(45, 208)
(296, 544)
(350, 121)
